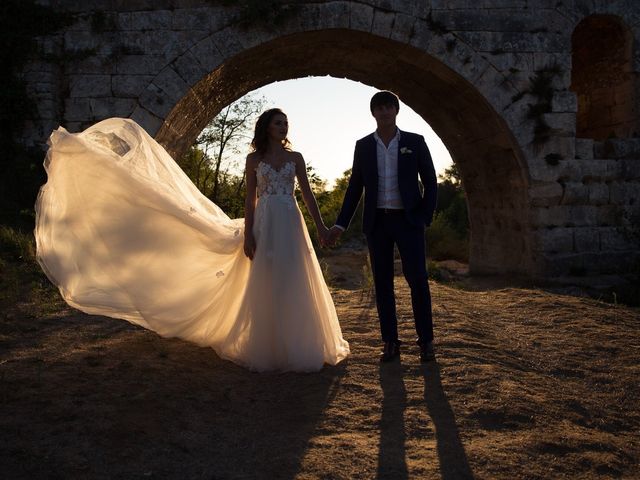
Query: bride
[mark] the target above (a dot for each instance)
(123, 232)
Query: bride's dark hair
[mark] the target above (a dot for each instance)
(260, 140)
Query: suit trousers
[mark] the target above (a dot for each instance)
(392, 228)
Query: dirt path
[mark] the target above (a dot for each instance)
(527, 385)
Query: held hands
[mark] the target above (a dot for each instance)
(332, 236)
(323, 234)
(328, 236)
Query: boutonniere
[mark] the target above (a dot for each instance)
(404, 150)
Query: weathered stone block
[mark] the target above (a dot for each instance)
(112, 107)
(361, 17)
(558, 149)
(479, 72)
(76, 41)
(565, 216)
(383, 23)
(608, 215)
(403, 28)
(76, 109)
(609, 262)
(584, 148)
(575, 193)
(207, 54)
(226, 42)
(140, 64)
(409, 7)
(192, 18)
(148, 20)
(47, 108)
(598, 194)
(171, 83)
(600, 170)
(556, 240)
(542, 171)
(512, 64)
(625, 193)
(95, 64)
(42, 87)
(565, 101)
(189, 69)
(83, 23)
(617, 238)
(257, 38)
(454, 4)
(147, 120)
(220, 18)
(618, 148)
(562, 123)
(550, 59)
(629, 169)
(545, 194)
(89, 85)
(513, 41)
(130, 85)
(40, 71)
(551, 265)
(334, 14)
(168, 43)
(586, 239)
(156, 101)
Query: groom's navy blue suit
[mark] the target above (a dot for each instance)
(404, 228)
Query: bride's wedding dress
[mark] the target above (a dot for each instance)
(123, 232)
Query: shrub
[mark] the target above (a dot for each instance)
(445, 242)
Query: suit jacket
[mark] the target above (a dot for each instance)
(414, 162)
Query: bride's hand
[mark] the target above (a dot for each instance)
(249, 245)
(323, 234)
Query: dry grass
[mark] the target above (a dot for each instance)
(527, 384)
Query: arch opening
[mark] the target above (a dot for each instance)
(492, 168)
(602, 78)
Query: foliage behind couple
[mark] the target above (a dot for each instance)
(213, 166)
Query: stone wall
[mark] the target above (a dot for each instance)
(494, 79)
(587, 213)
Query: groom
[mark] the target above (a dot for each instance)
(387, 165)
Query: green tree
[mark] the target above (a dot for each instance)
(213, 164)
(225, 137)
(448, 235)
(332, 203)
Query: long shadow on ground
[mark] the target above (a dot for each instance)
(74, 406)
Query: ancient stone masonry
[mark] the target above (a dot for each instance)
(535, 99)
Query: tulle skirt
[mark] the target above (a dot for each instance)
(123, 232)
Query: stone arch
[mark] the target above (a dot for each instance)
(602, 78)
(494, 172)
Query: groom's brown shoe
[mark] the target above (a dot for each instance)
(390, 351)
(427, 352)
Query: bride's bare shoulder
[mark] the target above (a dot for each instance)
(295, 157)
(252, 159)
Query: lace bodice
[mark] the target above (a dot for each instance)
(275, 182)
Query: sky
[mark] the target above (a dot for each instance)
(327, 115)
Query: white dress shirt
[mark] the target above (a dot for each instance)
(388, 187)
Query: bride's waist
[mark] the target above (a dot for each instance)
(276, 196)
(274, 199)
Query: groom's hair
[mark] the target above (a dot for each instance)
(384, 97)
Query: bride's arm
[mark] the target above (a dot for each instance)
(250, 206)
(308, 197)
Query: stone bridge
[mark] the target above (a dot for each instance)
(537, 100)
